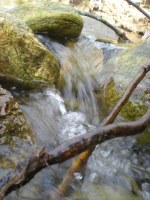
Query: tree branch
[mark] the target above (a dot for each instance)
(38, 160)
(138, 8)
(98, 18)
(129, 90)
(82, 159)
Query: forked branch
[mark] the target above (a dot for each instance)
(39, 159)
(81, 160)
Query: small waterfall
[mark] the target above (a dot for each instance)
(80, 63)
(74, 107)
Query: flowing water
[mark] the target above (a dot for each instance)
(118, 169)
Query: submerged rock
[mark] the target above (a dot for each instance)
(12, 121)
(57, 19)
(22, 55)
(118, 72)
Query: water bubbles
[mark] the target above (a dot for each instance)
(113, 158)
(78, 176)
(57, 97)
(73, 124)
(93, 177)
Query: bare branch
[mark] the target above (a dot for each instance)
(39, 159)
(82, 159)
(138, 8)
(98, 18)
(144, 70)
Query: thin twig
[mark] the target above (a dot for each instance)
(98, 18)
(138, 8)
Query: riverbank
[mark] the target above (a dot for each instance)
(123, 16)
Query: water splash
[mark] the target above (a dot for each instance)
(115, 167)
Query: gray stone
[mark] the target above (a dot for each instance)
(99, 30)
(117, 74)
(12, 120)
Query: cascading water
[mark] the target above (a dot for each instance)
(117, 170)
(116, 167)
(78, 75)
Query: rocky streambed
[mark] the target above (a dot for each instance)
(66, 82)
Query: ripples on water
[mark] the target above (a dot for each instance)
(118, 169)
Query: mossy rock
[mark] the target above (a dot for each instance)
(106, 192)
(57, 19)
(144, 138)
(106, 40)
(22, 56)
(119, 72)
(12, 120)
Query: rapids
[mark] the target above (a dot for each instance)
(117, 170)
(120, 166)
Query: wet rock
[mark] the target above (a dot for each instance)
(12, 121)
(22, 55)
(102, 32)
(103, 192)
(118, 72)
(57, 19)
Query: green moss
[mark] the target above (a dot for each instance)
(59, 20)
(61, 83)
(22, 55)
(111, 94)
(106, 40)
(144, 138)
(122, 70)
(6, 163)
(12, 120)
(131, 110)
(130, 61)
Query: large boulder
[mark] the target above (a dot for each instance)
(22, 55)
(118, 72)
(57, 19)
(12, 121)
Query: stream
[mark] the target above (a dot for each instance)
(118, 169)
(120, 166)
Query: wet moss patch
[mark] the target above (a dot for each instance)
(59, 20)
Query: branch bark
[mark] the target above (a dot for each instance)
(82, 159)
(39, 159)
(138, 8)
(122, 36)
